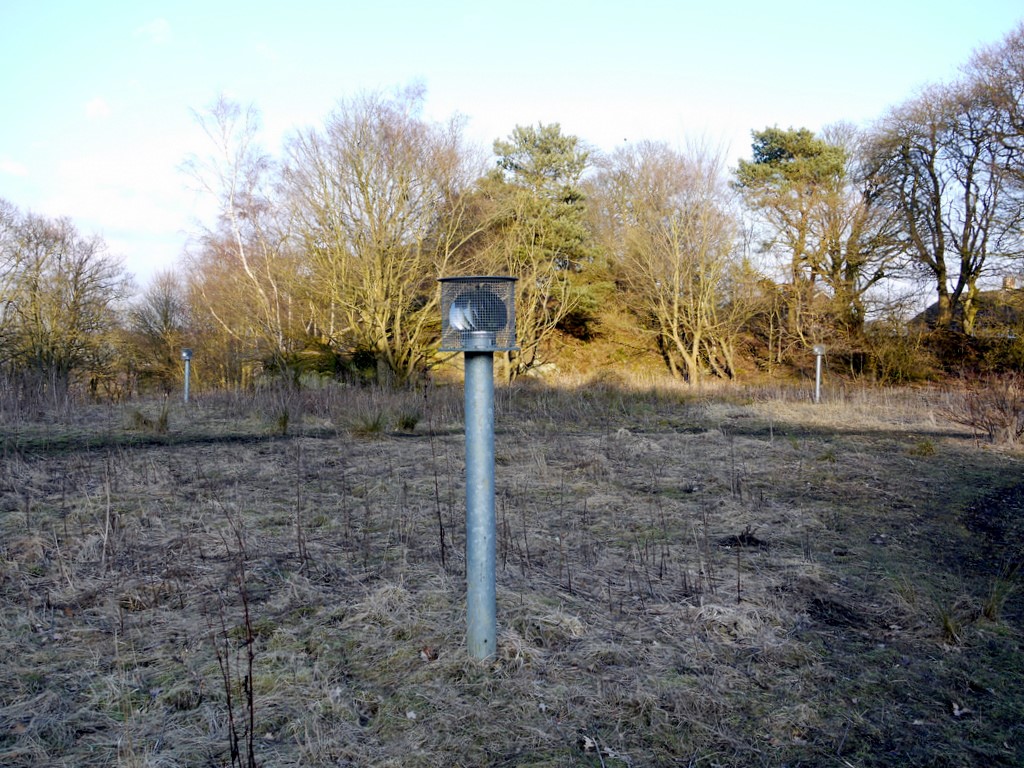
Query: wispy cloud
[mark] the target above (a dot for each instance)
(157, 31)
(12, 167)
(97, 109)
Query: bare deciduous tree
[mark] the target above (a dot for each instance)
(59, 291)
(997, 73)
(942, 162)
(157, 326)
(377, 206)
(241, 270)
(672, 233)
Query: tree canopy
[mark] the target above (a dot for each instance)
(324, 261)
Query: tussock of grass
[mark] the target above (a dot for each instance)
(681, 580)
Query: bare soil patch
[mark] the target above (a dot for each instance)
(683, 579)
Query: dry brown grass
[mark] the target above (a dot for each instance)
(732, 578)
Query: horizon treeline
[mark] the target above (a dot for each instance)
(324, 261)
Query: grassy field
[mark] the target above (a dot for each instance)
(684, 579)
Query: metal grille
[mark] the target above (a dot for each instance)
(478, 314)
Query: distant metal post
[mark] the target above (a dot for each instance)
(819, 352)
(186, 355)
(478, 318)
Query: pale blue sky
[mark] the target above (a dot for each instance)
(98, 95)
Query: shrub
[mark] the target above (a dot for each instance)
(897, 357)
(408, 420)
(369, 424)
(157, 426)
(992, 404)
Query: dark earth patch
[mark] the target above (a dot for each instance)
(998, 519)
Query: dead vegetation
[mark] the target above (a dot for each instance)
(719, 579)
(991, 405)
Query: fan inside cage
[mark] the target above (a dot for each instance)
(478, 314)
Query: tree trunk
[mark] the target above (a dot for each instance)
(944, 311)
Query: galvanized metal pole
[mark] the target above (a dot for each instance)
(187, 362)
(817, 378)
(481, 624)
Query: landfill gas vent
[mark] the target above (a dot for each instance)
(478, 314)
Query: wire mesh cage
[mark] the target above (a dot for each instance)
(478, 314)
